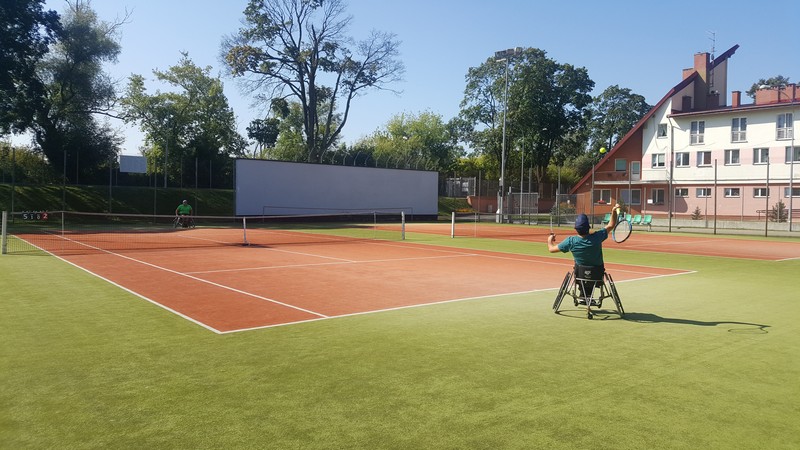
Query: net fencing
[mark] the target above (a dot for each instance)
(67, 232)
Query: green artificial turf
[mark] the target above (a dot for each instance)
(704, 360)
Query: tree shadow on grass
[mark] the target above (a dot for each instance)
(737, 327)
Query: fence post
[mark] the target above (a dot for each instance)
(3, 233)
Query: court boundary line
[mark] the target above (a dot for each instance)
(487, 254)
(222, 286)
(440, 302)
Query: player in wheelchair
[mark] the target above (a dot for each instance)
(183, 216)
(588, 276)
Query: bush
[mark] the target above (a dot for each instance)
(779, 213)
(697, 214)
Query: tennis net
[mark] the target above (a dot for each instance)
(63, 232)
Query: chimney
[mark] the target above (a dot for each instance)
(701, 63)
(736, 99)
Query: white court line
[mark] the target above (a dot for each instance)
(222, 286)
(208, 327)
(441, 302)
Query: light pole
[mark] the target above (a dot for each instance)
(504, 55)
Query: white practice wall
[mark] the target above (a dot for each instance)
(281, 188)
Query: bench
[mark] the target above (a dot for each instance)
(795, 212)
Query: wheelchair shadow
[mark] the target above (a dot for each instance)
(738, 327)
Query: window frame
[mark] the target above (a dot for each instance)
(760, 192)
(624, 162)
(739, 129)
(789, 156)
(700, 155)
(733, 192)
(795, 191)
(703, 192)
(662, 132)
(682, 159)
(732, 152)
(681, 192)
(636, 196)
(605, 196)
(697, 132)
(760, 156)
(658, 163)
(655, 194)
(787, 130)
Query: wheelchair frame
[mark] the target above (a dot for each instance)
(573, 286)
(178, 222)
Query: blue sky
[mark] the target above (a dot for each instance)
(638, 45)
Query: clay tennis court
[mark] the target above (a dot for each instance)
(296, 277)
(641, 240)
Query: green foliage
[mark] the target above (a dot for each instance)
(77, 89)
(779, 212)
(612, 115)
(417, 140)
(546, 103)
(697, 214)
(778, 80)
(276, 52)
(190, 121)
(26, 31)
(21, 165)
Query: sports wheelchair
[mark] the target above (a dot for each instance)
(589, 286)
(183, 222)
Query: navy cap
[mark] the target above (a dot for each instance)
(582, 224)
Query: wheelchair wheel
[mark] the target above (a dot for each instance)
(176, 223)
(615, 296)
(562, 291)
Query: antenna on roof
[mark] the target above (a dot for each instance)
(713, 39)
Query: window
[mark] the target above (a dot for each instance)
(602, 196)
(795, 191)
(634, 198)
(739, 129)
(657, 196)
(658, 161)
(662, 130)
(703, 192)
(760, 155)
(732, 157)
(703, 159)
(681, 192)
(759, 192)
(697, 132)
(783, 126)
(732, 192)
(792, 155)
(682, 159)
(621, 165)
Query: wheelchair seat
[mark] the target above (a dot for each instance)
(589, 286)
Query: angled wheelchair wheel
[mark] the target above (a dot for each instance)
(615, 296)
(562, 291)
(176, 223)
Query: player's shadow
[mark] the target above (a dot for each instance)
(737, 327)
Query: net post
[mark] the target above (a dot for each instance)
(244, 231)
(453, 224)
(4, 234)
(402, 225)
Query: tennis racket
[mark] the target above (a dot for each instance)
(623, 229)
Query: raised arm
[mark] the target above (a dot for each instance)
(614, 216)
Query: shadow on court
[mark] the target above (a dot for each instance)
(737, 327)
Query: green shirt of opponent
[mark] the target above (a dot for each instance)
(184, 209)
(586, 247)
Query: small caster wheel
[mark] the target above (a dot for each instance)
(589, 316)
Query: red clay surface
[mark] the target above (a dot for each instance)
(233, 288)
(641, 240)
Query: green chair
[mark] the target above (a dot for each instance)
(637, 220)
(606, 218)
(648, 220)
(628, 217)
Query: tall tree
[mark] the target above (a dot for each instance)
(612, 115)
(26, 30)
(191, 120)
(78, 91)
(547, 101)
(298, 49)
(416, 141)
